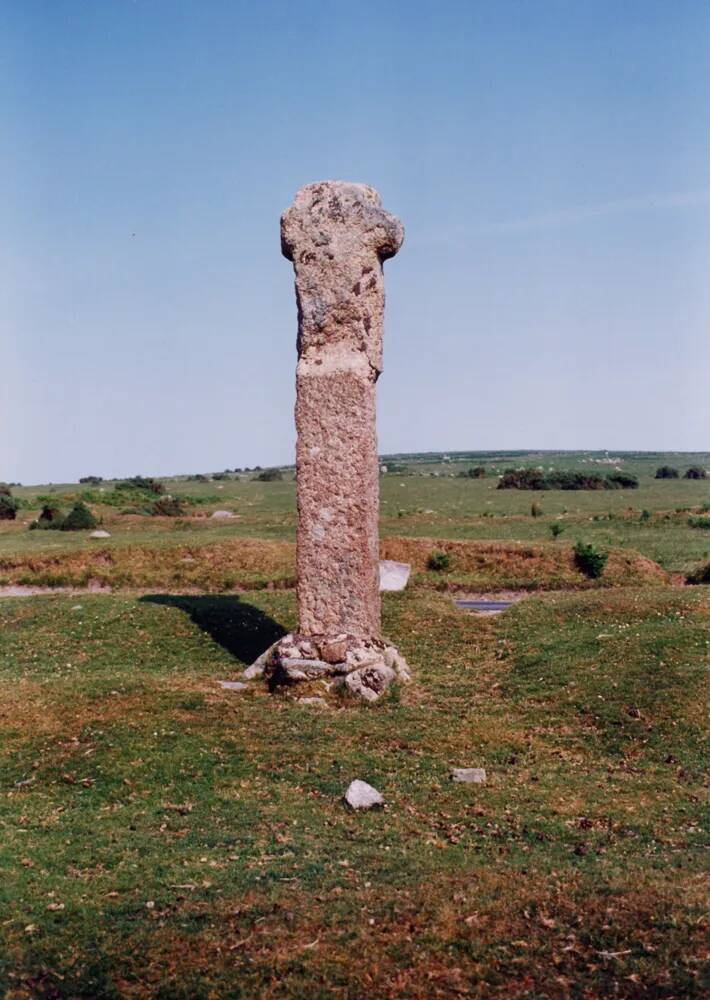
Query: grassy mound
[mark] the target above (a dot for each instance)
(508, 565)
(248, 563)
(166, 838)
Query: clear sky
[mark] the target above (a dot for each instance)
(550, 160)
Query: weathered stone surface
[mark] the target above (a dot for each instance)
(99, 533)
(475, 775)
(360, 795)
(233, 685)
(221, 514)
(370, 682)
(334, 650)
(337, 236)
(315, 702)
(394, 575)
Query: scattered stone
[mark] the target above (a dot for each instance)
(370, 682)
(394, 659)
(394, 575)
(289, 669)
(475, 775)
(222, 513)
(360, 795)
(99, 533)
(233, 685)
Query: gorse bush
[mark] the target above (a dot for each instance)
(562, 479)
(590, 560)
(439, 561)
(79, 518)
(695, 472)
(666, 472)
(167, 507)
(556, 529)
(621, 481)
(50, 518)
(145, 484)
(8, 506)
(699, 522)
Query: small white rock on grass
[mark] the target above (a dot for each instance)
(99, 533)
(475, 775)
(360, 795)
(233, 685)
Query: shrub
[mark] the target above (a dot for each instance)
(645, 516)
(477, 472)
(700, 575)
(666, 472)
(167, 507)
(556, 529)
(269, 476)
(8, 506)
(536, 510)
(621, 481)
(590, 560)
(439, 561)
(699, 522)
(79, 518)
(91, 480)
(198, 478)
(5, 490)
(145, 484)
(695, 472)
(219, 476)
(50, 518)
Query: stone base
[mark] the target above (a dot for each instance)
(364, 668)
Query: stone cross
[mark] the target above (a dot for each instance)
(337, 235)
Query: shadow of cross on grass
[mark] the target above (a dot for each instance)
(240, 628)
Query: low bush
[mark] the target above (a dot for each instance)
(51, 518)
(695, 472)
(269, 476)
(167, 507)
(439, 561)
(621, 481)
(699, 522)
(590, 560)
(556, 529)
(477, 472)
(700, 575)
(79, 518)
(666, 472)
(145, 484)
(91, 480)
(536, 510)
(8, 505)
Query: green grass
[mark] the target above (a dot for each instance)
(423, 505)
(164, 838)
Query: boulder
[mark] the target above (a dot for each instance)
(360, 795)
(394, 575)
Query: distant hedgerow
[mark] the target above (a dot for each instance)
(590, 560)
(562, 479)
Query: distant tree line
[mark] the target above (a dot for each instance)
(562, 479)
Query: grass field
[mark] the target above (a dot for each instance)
(163, 837)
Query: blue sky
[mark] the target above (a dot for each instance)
(550, 161)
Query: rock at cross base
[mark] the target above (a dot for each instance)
(360, 795)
